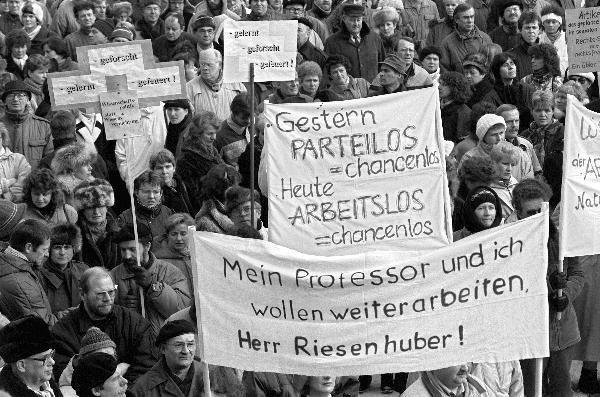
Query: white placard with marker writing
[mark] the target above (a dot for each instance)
(270, 45)
(368, 174)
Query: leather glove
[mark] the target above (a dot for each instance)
(559, 303)
(558, 280)
(142, 277)
(129, 301)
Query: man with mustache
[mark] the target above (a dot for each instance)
(164, 287)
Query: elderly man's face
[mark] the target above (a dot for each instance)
(37, 369)
(100, 297)
(353, 23)
(179, 352)
(210, 68)
(406, 50)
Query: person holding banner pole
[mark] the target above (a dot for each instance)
(528, 198)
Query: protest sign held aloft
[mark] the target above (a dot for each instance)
(583, 39)
(355, 175)
(270, 45)
(376, 312)
(98, 64)
(580, 207)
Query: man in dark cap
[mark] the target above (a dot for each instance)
(150, 25)
(507, 35)
(306, 50)
(177, 372)
(204, 32)
(27, 347)
(28, 134)
(97, 375)
(363, 48)
(164, 287)
(391, 76)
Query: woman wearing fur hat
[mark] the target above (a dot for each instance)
(92, 199)
(238, 204)
(72, 165)
(45, 199)
(388, 21)
(60, 274)
(212, 217)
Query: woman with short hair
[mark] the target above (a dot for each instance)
(45, 199)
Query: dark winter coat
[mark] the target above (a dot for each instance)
(62, 290)
(548, 144)
(176, 198)
(456, 121)
(131, 333)
(455, 48)
(518, 94)
(104, 252)
(438, 31)
(480, 90)
(158, 383)
(22, 291)
(194, 163)
(521, 58)
(155, 219)
(364, 58)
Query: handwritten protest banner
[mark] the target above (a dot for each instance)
(264, 307)
(270, 45)
(580, 206)
(583, 39)
(363, 173)
(100, 63)
(121, 114)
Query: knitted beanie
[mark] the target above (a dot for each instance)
(486, 122)
(95, 339)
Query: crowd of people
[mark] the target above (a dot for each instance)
(88, 309)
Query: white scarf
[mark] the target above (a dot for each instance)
(34, 32)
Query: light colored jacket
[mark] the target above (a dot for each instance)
(14, 168)
(203, 98)
(502, 379)
(172, 295)
(141, 148)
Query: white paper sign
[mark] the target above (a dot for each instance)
(583, 39)
(345, 177)
(270, 45)
(580, 205)
(263, 307)
(121, 114)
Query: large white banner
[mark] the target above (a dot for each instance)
(355, 175)
(264, 307)
(580, 206)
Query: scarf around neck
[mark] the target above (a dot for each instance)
(214, 84)
(34, 32)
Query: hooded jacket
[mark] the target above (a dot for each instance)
(22, 291)
(364, 57)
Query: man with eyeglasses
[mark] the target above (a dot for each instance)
(178, 370)
(22, 292)
(131, 332)
(27, 347)
(296, 9)
(28, 134)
